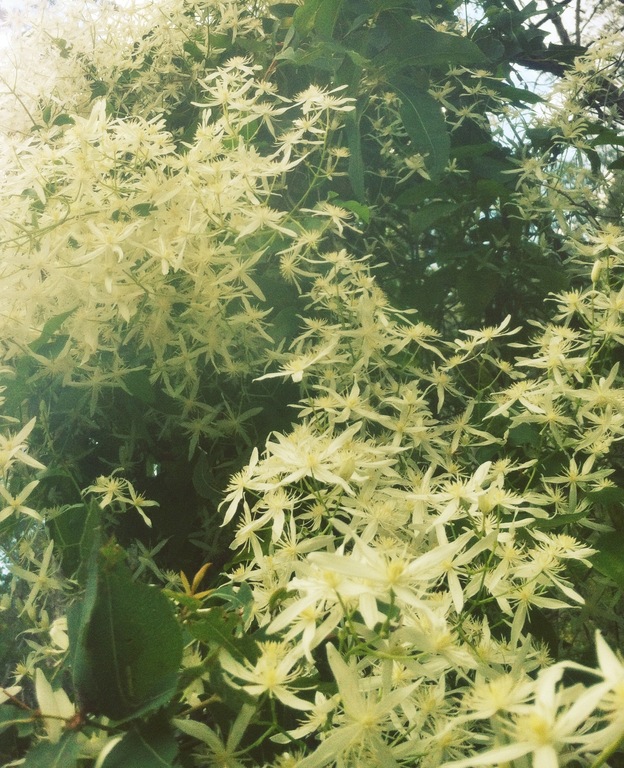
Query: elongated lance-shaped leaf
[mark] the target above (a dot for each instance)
(424, 123)
(125, 642)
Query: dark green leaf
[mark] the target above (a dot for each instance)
(50, 327)
(416, 6)
(609, 559)
(319, 16)
(72, 530)
(607, 137)
(63, 120)
(356, 163)
(285, 325)
(194, 51)
(64, 754)
(218, 628)
(361, 211)
(558, 521)
(151, 746)
(283, 10)
(139, 385)
(12, 716)
(424, 218)
(517, 95)
(143, 209)
(418, 45)
(524, 434)
(425, 125)
(610, 496)
(203, 476)
(617, 165)
(98, 88)
(239, 598)
(125, 642)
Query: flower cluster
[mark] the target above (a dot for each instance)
(411, 562)
(377, 522)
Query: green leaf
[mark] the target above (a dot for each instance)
(558, 521)
(524, 434)
(282, 10)
(476, 288)
(416, 6)
(50, 327)
(12, 716)
(239, 598)
(144, 209)
(151, 746)
(617, 165)
(609, 559)
(517, 95)
(319, 16)
(64, 754)
(203, 476)
(609, 496)
(424, 219)
(425, 125)
(356, 162)
(607, 137)
(125, 642)
(361, 211)
(63, 120)
(217, 629)
(416, 44)
(139, 385)
(72, 530)
(285, 325)
(194, 51)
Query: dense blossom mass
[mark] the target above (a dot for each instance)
(411, 556)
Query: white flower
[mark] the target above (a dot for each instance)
(359, 731)
(276, 667)
(55, 706)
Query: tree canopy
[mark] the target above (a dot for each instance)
(310, 326)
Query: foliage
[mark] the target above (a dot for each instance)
(245, 246)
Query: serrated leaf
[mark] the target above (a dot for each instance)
(125, 642)
(64, 754)
(425, 125)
